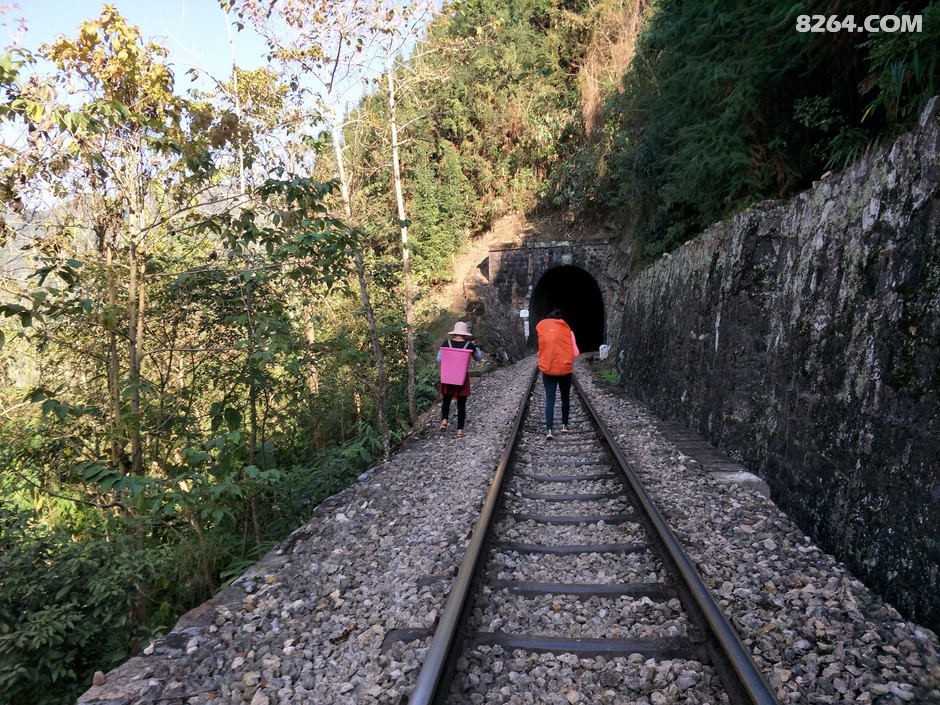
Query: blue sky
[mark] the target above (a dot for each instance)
(194, 31)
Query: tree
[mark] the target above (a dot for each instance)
(160, 310)
(133, 168)
(325, 41)
(107, 183)
(399, 27)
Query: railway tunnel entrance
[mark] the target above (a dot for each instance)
(578, 295)
(524, 283)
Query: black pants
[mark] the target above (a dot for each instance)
(564, 383)
(461, 409)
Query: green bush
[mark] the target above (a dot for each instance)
(727, 104)
(65, 609)
(905, 69)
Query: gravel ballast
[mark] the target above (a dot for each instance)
(317, 620)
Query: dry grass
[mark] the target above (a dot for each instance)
(610, 55)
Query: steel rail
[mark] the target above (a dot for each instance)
(443, 642)
(751, 681)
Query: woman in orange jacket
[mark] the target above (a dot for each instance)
(557, 351)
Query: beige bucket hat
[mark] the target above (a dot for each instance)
(461, 328)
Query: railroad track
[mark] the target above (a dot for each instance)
(573, 588)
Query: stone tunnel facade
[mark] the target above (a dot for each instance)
(524, 283)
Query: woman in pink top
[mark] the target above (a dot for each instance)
(461, 337)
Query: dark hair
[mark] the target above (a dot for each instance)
(555, 313)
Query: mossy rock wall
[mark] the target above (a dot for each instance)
(803, 338)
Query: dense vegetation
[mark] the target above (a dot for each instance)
(200, 306)
(726, 104)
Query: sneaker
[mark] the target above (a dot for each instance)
(549, 435)
(564, 428)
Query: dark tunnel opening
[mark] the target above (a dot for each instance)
(577, 294)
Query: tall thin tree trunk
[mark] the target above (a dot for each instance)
(405, 257)
(114, 369)
(253, 422)
(253, 459)
(135, 311)
(381, 388)
(238, 105)
(310, 334)
(313, 376)
(135, 303)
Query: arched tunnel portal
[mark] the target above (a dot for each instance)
(578, 295)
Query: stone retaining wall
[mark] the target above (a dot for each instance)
(802, 338)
